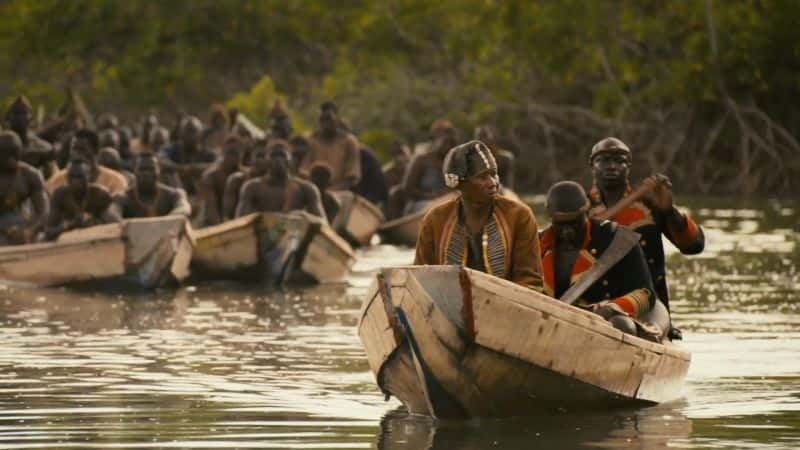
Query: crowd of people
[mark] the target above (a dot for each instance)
(72, 176)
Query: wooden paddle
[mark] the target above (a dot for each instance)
(647, 185)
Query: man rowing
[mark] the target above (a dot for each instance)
(479, 228)
(278, 190)
(652, 216)
(598, 265)
(148, 197)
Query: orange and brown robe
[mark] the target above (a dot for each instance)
(509, 242)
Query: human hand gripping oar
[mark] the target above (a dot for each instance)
(648, 185)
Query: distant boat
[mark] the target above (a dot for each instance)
(271, 247)
(358, 219)
(148, 252)
(451, 342)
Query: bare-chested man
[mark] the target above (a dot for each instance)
(280, 125)
(79, 203)
(278, 190)
(108, 157)
(214, 135)
(505, 159)
(259, 165)
(84, 145)
(337, 148)
(424, 179)
(216, 177)
(149, 198)
(188, 157)
(19, 182)
(35, 151)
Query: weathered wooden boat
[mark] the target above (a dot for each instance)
(149, 252)
(358, 218)
(271, 247)
(451, 342)
(405, 230)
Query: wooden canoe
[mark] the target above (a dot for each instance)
(271, 247)
(405, 230)
(358, 218)
(456, 343)
(149, 252)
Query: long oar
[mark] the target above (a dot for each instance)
(647, 185)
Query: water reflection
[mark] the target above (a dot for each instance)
(224, 365)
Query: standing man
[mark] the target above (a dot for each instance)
(623, 294)
(653, 217)
(149, 198)
(278, 190)
(19, 182)
(79, 203)
(35, 151)
(480, 229)
(335, 147)
(424, 181)
(216, 177)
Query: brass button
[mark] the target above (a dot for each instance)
(651, 261)
(605, 282)
(608, 295)
(643, 243)
(594, 251)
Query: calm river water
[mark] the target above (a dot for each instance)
(219, 365)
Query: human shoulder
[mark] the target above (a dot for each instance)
(37, 144)
(29, 172)
(513, 207)
(442, 210)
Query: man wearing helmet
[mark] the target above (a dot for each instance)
(655, 215)
(479, 228)
(574, 247)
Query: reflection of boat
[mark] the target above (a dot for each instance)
(451, 342)
(148, 252)
(271, 246)
(358, 219)
(404, 230)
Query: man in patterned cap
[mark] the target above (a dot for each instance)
(480, 229)
(574, 247)
(654, 216)
(35, 151)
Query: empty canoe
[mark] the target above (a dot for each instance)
(148, 252)
(358, 218)
(456, 343)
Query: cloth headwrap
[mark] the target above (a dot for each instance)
(467, 160)
(610, 145)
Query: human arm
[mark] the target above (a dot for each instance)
(180, 204)
(246, 194)
(210, 204)
(40, 202)
(426, 243)
(313, 201)
(351, 166)
(678, 227)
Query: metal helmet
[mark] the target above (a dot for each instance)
(566, 201)
(610, 145)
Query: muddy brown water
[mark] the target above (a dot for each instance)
(220, 365)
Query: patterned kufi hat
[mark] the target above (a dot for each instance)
(467, 160)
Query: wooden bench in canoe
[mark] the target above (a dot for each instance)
(358, 218)
(405, 230)
(271, 247)
(147, 252)
(456, 343)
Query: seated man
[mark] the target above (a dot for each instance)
(19, 183)
(480, 229)
(622, 294)
(149, 198)
(424, 181)
(321, 177)
(215, 178)
(84, 145)
(653, 217)
(278, 191)
(187, 157)
(109, 158)
(259, 164)
(79, 203)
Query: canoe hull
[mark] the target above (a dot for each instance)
(358, 219)
(454, 343)
(273, 248)
(149, 253)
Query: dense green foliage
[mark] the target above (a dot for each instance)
(677, 79)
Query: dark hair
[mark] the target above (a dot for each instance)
(8, 137)
(298, 140)
(89, 136)
(328, 106)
